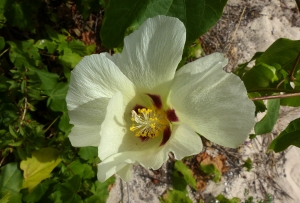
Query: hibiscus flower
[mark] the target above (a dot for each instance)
(136, 108)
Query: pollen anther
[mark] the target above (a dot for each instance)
(148, 122)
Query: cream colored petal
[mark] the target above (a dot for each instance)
(87, 119)
(184, 142)
(96, 76)
(212, 102)
(125, 173)
(115, 134)
(151, 54)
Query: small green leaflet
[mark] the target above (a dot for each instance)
(266, 124)
(11, 182)
(290, 136)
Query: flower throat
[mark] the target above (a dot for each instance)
(148, 122)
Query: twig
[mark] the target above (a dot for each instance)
(68, 167)
(276, 97)
(4, 52)
(238, 25)
(291, 74)
(25, 110)
(2, 160)
(273, 90)
(51, 124)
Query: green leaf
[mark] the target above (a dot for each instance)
(80, 48)
(248, 164)
(69, 59)
(260, 76)
(69, 190)
(8, 113)
(86, 7)
(88, 153)
(6, 198)
(3, 83)
(100, 191)
(290, 136)
(64, 121)
(54, 35)
(21, 14)
(38, 192)
(39, 166)
(130, 14)
(266, 124)
(23, 53)
(2, 42)
(259, 105)
(85, 171)
(11, 180)
(292, 101)
(283, 52)
(211, 169)
(49, 45)
(223, 199)
(242, 68)
(176, 196)
(12, 131)
(57, 95)
(48, 80)
(186, 172)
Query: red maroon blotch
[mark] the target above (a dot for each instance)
(166, 136)
(137, 107)
(144, 139)
(171, 115)
(156, 100)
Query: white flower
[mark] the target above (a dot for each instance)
(136, 108)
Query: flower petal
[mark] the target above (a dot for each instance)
(151, 54)
(125, 173)
(95, 76)
(87, 119)
(214, 103)
(184, 142)
(112, 165)
(115, 134)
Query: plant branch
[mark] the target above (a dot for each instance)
(276, 96)
(4, 52)
(274, 90)
(298, 4)
(25, 110)
(291, 75)
(52, 123)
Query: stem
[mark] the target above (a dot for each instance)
(52, 124)
(273, 90)
(25, 110)
(291, 75)
(298, 4)
(4, 52)
(68, 167)
(276, 96)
